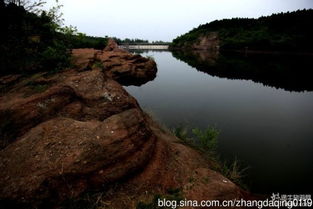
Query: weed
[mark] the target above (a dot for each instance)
(234, 172)
(86, 201)
(150, 57)
(37, 87)
(97, 64)
(40, 88)
(172, 195)
(206, 141)
(181, 132)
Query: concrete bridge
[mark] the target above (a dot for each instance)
(144, 46)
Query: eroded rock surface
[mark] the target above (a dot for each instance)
(64, 157)
(79, 131)
(78, 95)
(66, 133)
(118, 64)
(209, 41)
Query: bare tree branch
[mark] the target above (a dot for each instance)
(29, 5)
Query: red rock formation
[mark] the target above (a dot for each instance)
(126, 68)
(80, 131)
(83, 132)
(64, 157)
(207, 42)
(79, 95)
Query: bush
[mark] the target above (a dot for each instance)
(55, 57)
(206, 141)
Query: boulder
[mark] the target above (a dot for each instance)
(67, 133)
(112, 46)
(118, 64)
(63, 157)
(78, 95)
(128, 69)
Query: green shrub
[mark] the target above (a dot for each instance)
(55, 57)
(235, 172)
(206, 141)
(181, 132)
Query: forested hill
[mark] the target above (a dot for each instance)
(283, 31)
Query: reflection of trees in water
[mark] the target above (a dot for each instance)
(289, 72)
(129, 81)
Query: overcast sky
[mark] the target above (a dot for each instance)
(163, 19)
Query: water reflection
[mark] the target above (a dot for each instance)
(289, 72)
(270, 130)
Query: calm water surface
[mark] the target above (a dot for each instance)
(270, 129)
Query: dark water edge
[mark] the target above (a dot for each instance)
(291, 72)
(265, 118)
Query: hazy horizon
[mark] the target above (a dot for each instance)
(164, 19)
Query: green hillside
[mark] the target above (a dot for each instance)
(283, 31)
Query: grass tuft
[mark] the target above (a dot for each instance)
(206, 141)
(172, 195)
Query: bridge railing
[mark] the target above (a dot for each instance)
(145, 46)
(142, 43)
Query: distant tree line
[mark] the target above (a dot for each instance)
(161, 42)
(77, 39)
(130, 41)
(283, 31)
(138, 41)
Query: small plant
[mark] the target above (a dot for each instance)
(206, 141)
(97, 64)
(38, 88)
(150, 57)
(55, 57)
(234, 172)
(172, 194)
(86, 201)
(181, 132)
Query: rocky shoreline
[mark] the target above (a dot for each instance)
(79, 131)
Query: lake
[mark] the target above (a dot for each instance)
(262, 105)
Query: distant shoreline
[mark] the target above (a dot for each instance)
(249, 51)
(273, 52)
